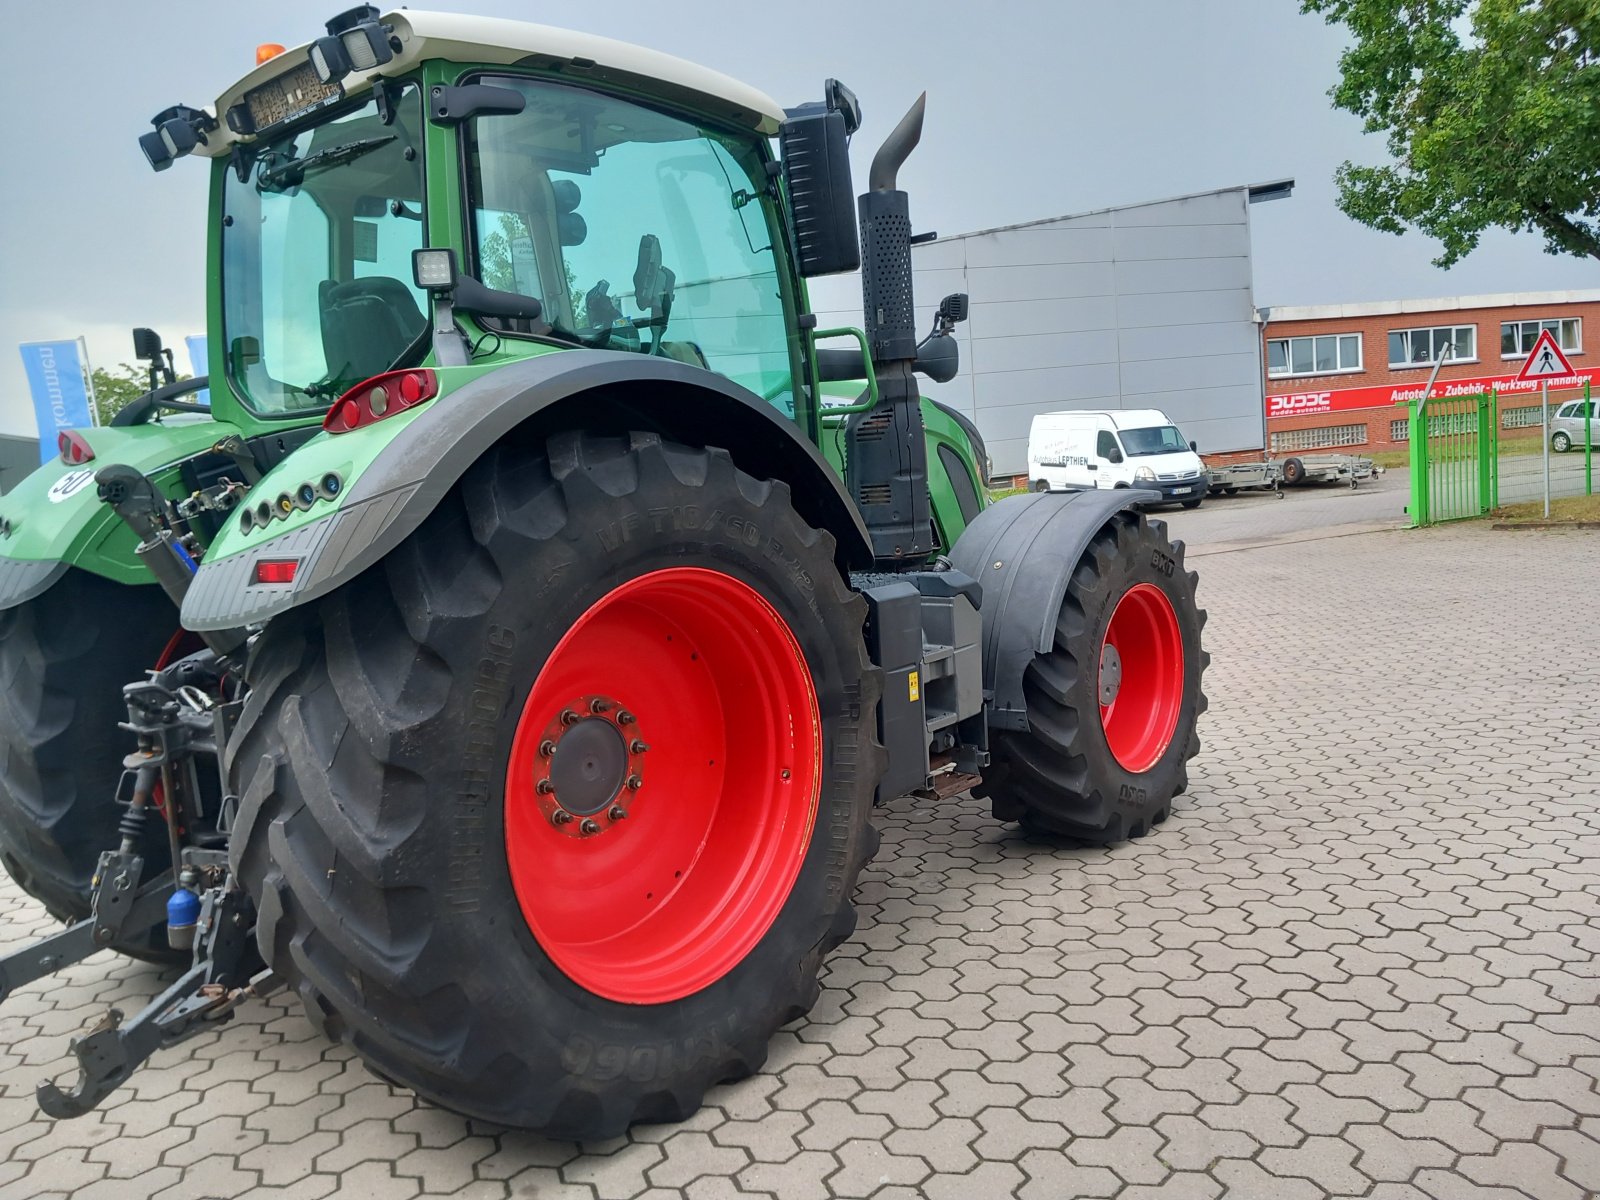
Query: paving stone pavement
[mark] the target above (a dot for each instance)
(1362, 959)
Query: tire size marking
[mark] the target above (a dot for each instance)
(676, 518)
(490, 691)
(603, 1061)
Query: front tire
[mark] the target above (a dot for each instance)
(404, 760)
(1112, 707)
(64, 658)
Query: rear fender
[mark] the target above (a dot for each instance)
(599, 391)
(1023, 550)
(56, 520)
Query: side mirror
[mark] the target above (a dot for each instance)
(1114, 455)
(1195, 446)
(815, 145)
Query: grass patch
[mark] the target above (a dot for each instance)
(1566, 509)
(1511, 446)
(1000, 493)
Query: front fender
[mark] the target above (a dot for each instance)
(422, 462)
(56, 520)
(1023, 550)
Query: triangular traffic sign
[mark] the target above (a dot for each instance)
(1545, 360)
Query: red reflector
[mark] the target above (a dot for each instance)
(74, 450)
(276, 570)
(398, 391)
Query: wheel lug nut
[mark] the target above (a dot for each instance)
(568, 717)
(561, 816)
(547, 748)
(617, 812)
(589, 826)
(598, 706)
(635, 783)
(637, 747)
(625, 717)
(545, 787)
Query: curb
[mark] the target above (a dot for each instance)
(1546, 525)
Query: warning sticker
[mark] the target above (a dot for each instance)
(915, 686)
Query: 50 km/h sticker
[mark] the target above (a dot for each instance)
(70, 485)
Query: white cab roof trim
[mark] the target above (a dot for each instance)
(461, 38)
(1120, 418)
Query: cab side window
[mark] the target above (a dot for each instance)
(1106, 445)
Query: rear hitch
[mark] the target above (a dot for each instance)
(226, 972)
(119, 904)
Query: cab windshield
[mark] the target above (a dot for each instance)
(316, 259)
(1157, 439)
(638, 231)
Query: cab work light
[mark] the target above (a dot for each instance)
(178, 130)
(355, 42)
(381, 396)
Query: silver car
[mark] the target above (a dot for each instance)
(1566, 427)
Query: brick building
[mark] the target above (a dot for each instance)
(1336, 372)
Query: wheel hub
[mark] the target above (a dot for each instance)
(1110, 674)
(589, 767)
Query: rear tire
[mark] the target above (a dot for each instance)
(1560, 443)
(1081, 770)
(1294, 472)
(1041, 485)
(64, 658)
(401, 859)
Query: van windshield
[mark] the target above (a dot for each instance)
(1158, 439)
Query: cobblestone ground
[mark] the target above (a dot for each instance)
(1360, 960)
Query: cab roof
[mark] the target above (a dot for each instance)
(582, 57)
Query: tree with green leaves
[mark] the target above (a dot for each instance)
(115, 389)
(1492, 111)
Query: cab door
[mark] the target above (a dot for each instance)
(1106, 464)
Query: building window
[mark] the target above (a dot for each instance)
(1517, 337)
(1521, 418)
(1420, 347)
(1442, 425)
(1323, 354)
(1319, 439)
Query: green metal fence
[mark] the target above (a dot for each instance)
(1454, 448)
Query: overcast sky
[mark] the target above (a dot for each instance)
(1034, 110)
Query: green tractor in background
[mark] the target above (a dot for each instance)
(561, 668)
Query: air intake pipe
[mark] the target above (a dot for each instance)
(885, 214)
(886, 456)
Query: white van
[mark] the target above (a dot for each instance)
(1134, 447)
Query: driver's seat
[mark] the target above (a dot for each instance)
(367, 324)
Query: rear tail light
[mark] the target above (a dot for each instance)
(379, 397)
(74, 450)
(276, 570)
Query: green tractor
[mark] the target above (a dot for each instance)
(573, 651)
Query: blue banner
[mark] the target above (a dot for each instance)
(199, 364)
(60, 393)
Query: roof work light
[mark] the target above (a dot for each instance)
(355, 42)
(178, 130)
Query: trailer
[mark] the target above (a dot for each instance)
(1277, 474)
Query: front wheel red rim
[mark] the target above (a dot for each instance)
(662, 787)
(1141, 678)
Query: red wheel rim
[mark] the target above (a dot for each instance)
(1141, 675)
(662, 786)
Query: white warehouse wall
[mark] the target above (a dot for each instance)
(1145, 306)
